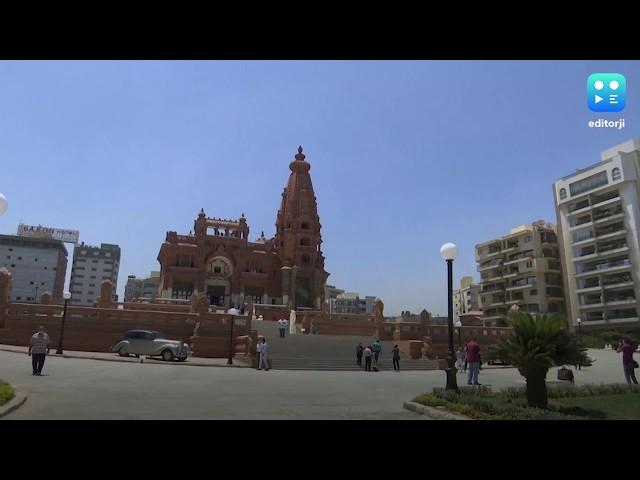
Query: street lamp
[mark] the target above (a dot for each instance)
(3, 204)
(459, 327)
(449, 252)
(67, 296)
(232, 312)
(579, 322)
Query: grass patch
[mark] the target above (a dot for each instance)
(586, 402)
(6, 392)
(614, 406)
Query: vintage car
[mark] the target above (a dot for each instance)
(151, 344)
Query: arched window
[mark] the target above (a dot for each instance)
(615, 174)
(563, 193)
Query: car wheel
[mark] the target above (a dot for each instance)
(167, 355)
(122, 352)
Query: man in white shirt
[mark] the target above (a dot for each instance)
(281, 327)
(38, 349)
(264, 362)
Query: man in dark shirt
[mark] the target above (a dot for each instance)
(473, 359)
(627, 349)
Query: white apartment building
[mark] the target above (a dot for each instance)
(467, 298)
(37, 265)
(598, 211)
(91, 266)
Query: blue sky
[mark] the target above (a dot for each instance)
(405, 155)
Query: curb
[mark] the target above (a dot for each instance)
(13, 404)
(132, 360)
(433, 412)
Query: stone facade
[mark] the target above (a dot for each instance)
(218, 259)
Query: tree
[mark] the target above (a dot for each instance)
(537, 343)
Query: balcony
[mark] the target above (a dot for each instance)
(604, 267)
(519, 257)
(489, 265)
(493, 290)
(605, 199)
(610, 232)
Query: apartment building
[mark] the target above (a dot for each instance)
(467, 298)
(37, 265)
(142, 287)
(91, 266)
(521, 269)
(351, 302)
(598, 212)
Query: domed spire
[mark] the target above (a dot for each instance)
(300, 156)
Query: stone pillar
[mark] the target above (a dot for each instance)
(106, 295)
(292, 286)
(45, 298)
(5, 292)
(286, 280)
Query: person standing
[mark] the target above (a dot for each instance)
(473, 359)
(38, 350)
(628, 364)
(281, 327)
(396, 358)
(377, 350)
(359, 350)
(367, 358)
(285, 323)
(264, 360)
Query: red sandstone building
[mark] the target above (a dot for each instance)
(219, 259)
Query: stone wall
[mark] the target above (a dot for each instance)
(98, 329)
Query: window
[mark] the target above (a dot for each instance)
(533, 292)
(108, 254)
(36, 259)
(304, 226)
(615, 174)
(13, 265)
(30, 283)
(305, 242)
(92, 284)
(528, 239)
(529, 264)
(9, 257)
(19, 258)
(92, 277)
(563, 193)
(94, 261)
(93, 270)
(83, 252)
(90, 293)
(18, 298)
(589, 183)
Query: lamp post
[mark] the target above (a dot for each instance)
(459, 327)
(233, 312)
(449, 252)
(579, 322)
(3, 204)
(67, 296)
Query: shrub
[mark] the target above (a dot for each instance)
(6, 392)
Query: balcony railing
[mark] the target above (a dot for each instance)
(602, 266)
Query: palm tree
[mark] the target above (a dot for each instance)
(537, 343)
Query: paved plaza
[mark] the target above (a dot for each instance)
(74, 388)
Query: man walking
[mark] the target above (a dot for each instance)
(628, 363)
(264, 361)
(377, 349)
(396, 358)
(473, 359)
(359, 350)
(367, 358)
(281, 327)
(38, 350)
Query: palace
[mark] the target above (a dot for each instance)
(218, 258)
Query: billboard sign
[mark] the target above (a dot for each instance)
(62, 234)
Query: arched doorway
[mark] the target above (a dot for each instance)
(218, 284)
